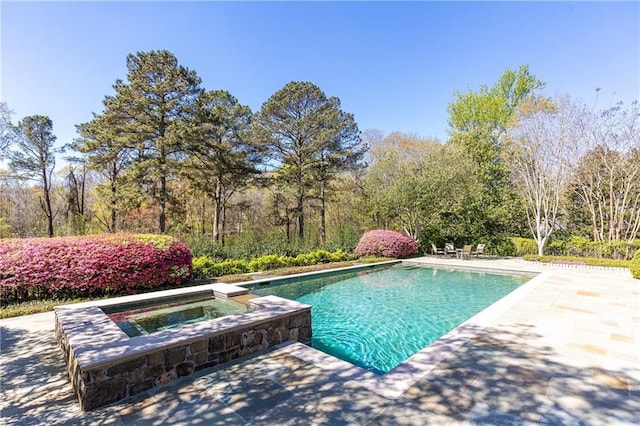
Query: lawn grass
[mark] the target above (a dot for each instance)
(38, 306)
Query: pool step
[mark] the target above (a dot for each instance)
(244, 298)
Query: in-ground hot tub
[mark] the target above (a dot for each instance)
(169, 334)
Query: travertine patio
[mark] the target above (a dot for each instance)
(566, 352)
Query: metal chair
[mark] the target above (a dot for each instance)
(478, 251)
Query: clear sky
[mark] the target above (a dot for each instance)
(394, 65)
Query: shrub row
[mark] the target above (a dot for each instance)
(634, 265)
(575, 260)
(574, 246)
(248, 246)
(205, 267)
(90, 265)
(386, 243)
(579, 246)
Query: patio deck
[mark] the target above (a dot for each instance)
(566, 352)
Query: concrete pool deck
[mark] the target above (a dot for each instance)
(566, 352)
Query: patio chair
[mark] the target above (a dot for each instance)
(466, 252)
(449, 249)
(478, 251)
(435, 250)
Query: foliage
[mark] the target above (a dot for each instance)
(222, 157)
(580, 246)
(7, 131)
(33, 158)
(574, 260)
(310, 139)
(386, 243)
(270, 261)
(419, 184)
(36, 306)
(149, 114)
(524, 246)
(536, 150)
(105, 151)
(204, 267)
(634, 265)
(604, 191)
(478, 123)
(248, 246)
(90, 265)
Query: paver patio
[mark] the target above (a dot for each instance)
(567, 352)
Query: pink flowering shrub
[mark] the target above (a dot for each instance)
(387, 244)
(90, 265)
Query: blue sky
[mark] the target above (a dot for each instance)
(394, 65)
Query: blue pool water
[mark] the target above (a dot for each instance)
(378, 318)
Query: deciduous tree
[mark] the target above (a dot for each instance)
(606, 180)
(7, 131)
(478, 121)
(419, 189)
(538, 153)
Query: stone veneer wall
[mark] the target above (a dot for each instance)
(96, 387)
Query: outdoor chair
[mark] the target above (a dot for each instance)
(449, 249)
(479, 250)
(466, 252)
(435, 250)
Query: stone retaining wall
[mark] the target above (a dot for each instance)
(138, 365)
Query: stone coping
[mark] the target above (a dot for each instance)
(221, 290)
(473, 267)
(97, 341)
(394, 383)
(271, 278)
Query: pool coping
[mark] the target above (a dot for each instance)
(98, 341)
(394, 383)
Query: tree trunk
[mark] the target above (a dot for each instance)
(47, 202)
(162, 204)
(203, 218)
(114, 210)
(287, 229)
(216, 213)
(323, 220)
(223, 214)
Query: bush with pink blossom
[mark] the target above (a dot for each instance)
(90, 265)
(386, 243)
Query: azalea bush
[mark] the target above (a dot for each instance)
(90, 265)
(386, 243)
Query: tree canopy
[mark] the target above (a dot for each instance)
(308, 138)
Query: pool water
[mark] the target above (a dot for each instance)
(152, 317)
(378, 318)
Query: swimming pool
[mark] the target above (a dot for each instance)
(377, 318)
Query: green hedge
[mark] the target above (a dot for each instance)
(634, 265)
(575, 260)
(580, 246)
(204, 267)
(524, 246)
(574, 246)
